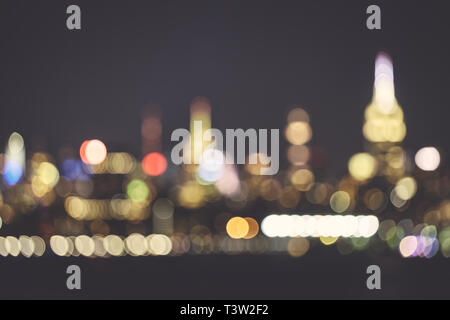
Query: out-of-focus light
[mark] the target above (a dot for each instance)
(12, 246)
(289, 197)
(384, 116)
(48, 174)
(297, 115)
(253, 228)
(340, 201)
(14, 160)
(406, 188)
(83, 151)
(138, 191)
(136, 244)
(113, 245)
(384, 128)
(257, 163)
(228, 184)
(237, 228)
(428, 159)
(59, 245)
(384, 92)
(328, 240)
(159, 244)
(3, 251)
(154, 164)
(85, 245)
(427, 244)
(396, 200)
(298, 132)
(71, 169)
(26, 246)
(93, 152)
(298, 155)
(163, 209)
(119, 163)
(328, 226)
(191, 195)
(39, 246)
(374, 199)
(298, 247)
(384, 67)
(362, 166)
(15, 143)
(302, 179)
(270, 189)
(211, 166)
(12, 173)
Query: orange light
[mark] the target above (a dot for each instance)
(93, 152)
(237, 228)
(253, 228)
(154, 164)
(83, 151)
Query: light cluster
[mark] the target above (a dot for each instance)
(333, 226)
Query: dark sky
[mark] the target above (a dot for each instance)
(253, 59)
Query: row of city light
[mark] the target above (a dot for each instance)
(113, 245)
(410, 240)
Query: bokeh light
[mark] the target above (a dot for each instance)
(93, 152)
(428, 159)
(154, 164)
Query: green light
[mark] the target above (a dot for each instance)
(137, 191)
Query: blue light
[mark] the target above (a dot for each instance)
(12, 173)
(71, 169)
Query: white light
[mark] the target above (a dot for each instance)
(428, 159)
(319, 226)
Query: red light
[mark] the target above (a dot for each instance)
(83, 151)
(154, 164)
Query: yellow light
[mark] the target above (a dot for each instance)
(48, 174)
(406, 188)
(302, 179)
(298, 132)
(340, 201)
(362, 166)
(328, 240)
(191, 195)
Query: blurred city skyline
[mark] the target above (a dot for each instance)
(86, 118)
